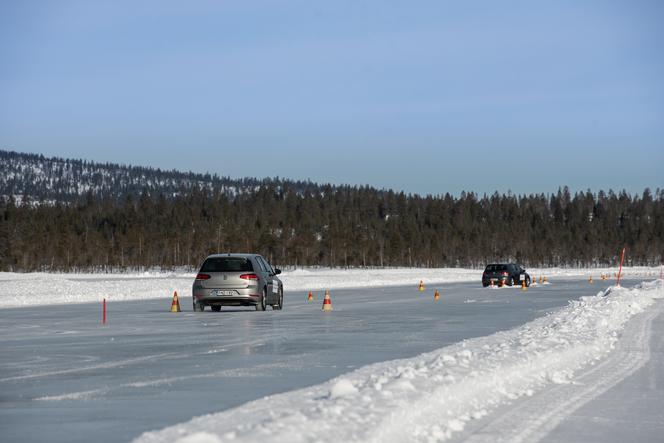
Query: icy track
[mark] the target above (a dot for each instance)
(32, 289)
(434, 396)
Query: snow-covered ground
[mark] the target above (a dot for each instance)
(431, 397)
(388, 364)
(17, 289)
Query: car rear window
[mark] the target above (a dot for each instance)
(496, 268)
(227, 264)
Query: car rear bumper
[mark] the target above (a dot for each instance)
(487, 280)
(239, 297)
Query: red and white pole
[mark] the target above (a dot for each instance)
(622, 258)
(103, 312)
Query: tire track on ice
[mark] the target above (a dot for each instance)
(152, 382)
(107, 365)
(131, 361)
(534, 418)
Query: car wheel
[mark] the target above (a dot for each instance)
(527, 282)
(262, 305)
(484, 285)
(511, 281)
(199, 307)
(280, 301)
(216, 308)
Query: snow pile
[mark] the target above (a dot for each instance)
(325, 278)
(432, 396)
(47, 289)
(18, 289)
(611, 272)
(42, 288)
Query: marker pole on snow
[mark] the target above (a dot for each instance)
(622, 257)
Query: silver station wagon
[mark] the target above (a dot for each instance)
(237, 280)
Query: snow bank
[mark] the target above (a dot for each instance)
(318, 279)
(432, 396)
(45, 289)
(41, 288)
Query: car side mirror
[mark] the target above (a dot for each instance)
(277, 271)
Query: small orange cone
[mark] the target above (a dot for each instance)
(545, 280)
(175, 305)
(523, 285)
(590, 279)
(436, 295)
(421, 286)
(311, 296)
(541, 281)
(327, 303)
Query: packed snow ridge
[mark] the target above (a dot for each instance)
(430, 397)
(17, 289)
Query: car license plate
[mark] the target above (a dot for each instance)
(223, 292)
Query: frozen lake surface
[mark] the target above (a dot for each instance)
(65, 378)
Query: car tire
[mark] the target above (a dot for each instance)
(280, 301)
(527, 281)
(215, 308)
(484, 285)
(261, 306)
(199, 307)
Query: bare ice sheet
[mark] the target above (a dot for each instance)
(66, 378)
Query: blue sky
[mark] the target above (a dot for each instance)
(420, 96)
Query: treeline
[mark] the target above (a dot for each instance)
(333, 226)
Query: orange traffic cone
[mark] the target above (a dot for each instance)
(311, 297)
(421, 286)
(541, 279)
(590, 279)
(523, 285)
(175, 305)
(436, 295)
(327, 303)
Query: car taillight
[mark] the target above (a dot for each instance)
(249, 277)
(505, 274)
(202, 277)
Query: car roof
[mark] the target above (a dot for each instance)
(232, 254)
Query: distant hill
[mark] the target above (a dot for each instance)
(60, 214)
(35, 178)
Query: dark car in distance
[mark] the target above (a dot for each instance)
(504, 274)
